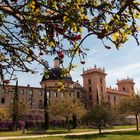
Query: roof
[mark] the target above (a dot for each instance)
(55, 74)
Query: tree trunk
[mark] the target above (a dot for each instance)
(74, 121)
(99, 127)
(15, 108)
(46, 114)
(137, 123)
(68, 123)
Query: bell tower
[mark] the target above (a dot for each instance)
(126, 85)
(94, 84)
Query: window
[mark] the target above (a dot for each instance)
(48, 94)
(62, 95)
(101, 89)
(22, 91)
(114, 98)
(89, 81)
(55, 94)
(30, 93)
(123, 88)
(40, 104)
(101, 81)
(3, 100)
(90, 97)
(30, 96)
(78, 94)
(40, 93)
(11, 100)
(69, 94)
(108, 98)
(30, 101)
(90, 89)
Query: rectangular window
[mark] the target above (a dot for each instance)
(101, 89)
(40, 93)
(22, 91)
(89, 81)
(78, 94)
(30, 94)
(3, 100)
(55, 94)
(108, 98)
(114, 98)
(90, 89)
(62, 95)
(40, 104)
(90, 97)
(101, 81)
(69, 94)
(48, 94)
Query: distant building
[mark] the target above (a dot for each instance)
(93, 91)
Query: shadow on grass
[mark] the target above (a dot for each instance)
(47, 132)
(132, 133)
(96, 136)
(87, 136)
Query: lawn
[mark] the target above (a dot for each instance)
(57, 131)
(130, 135)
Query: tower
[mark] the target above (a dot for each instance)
(126, 85)
(94, 84)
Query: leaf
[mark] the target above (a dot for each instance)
(115, 36)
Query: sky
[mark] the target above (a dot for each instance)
(118, 64)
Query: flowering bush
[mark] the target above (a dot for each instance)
(7, 125)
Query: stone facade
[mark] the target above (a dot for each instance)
(94, 85)
(93, 91)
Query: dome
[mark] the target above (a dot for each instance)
(55, 74)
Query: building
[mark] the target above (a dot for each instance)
(93, 91)
(33, 97)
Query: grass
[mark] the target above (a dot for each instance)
(57, 131)
(51, 131)
(129, 135)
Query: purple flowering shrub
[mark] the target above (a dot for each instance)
(7, 125)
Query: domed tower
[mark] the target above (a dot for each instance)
(94, 84)
(53, 77)
(126, 85)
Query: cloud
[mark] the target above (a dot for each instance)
(130, 70)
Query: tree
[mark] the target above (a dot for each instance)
(32, 29)
(17, 108)
(100, 115)
(131, 106)
(66, 108)
(4, 114)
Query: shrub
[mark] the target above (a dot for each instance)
(7, 125)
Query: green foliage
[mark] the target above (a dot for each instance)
(100, 115)
(21, 109)
(66, 108)
(130, 106)
(4, 114)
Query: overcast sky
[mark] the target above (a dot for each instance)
(118, 64)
